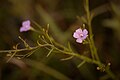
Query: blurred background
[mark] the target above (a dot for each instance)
(62, 15)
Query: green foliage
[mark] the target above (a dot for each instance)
(51, 54)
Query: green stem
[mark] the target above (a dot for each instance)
(92, 44)
(84, 58)
(87, 59)
(18, 50)
(92, 53)
(109, 72)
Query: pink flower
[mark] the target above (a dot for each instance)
(80, 35)
(25, 26)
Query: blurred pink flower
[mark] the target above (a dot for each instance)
(80, 35)
(25, 26)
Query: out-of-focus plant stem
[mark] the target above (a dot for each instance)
(42, 67)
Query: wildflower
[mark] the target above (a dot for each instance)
(25, 26)
(80, 35)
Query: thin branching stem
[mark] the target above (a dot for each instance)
(18, 50)
(92, 45)
(91, 41)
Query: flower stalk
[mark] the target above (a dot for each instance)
(91, 41)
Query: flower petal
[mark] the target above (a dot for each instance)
(79, 31)
(80, 35)
(22, 29)
(79, 40)
(75, 35)
(26, 23)
(85, 32)
(84, 37)
(25, 26)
